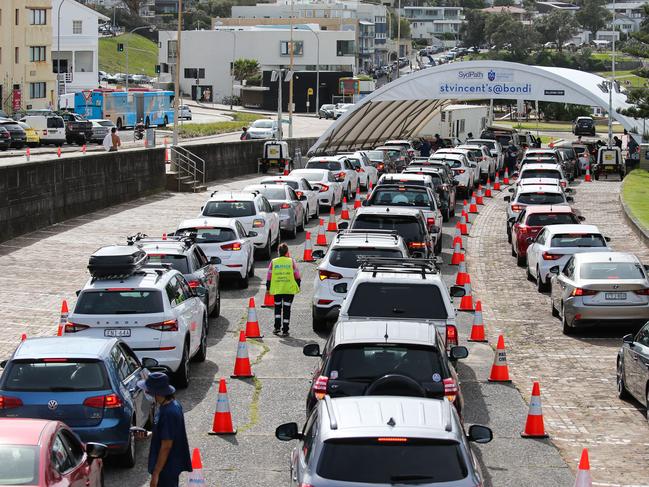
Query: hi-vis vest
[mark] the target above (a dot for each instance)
(282, 280)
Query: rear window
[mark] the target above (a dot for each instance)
(356, 163)
(455, 164)
(312, 177)
(229, 209)
(409, 228)
(368, 361)
(490, 144)
(55, 123)
(396, 197)
(543, 219)
(119, 302)
(274, 192)
(348, 258)
(62, 375)
(19, 465)
(611, 270)
(329, 165)
(414, 182)
(504, 140)
(541, 173)
(375, 155)
(540, 198)
(578, 240)
(178, 262)
(406, 461)
(212, 235)
(382, 300)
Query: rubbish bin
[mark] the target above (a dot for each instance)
(149, 138)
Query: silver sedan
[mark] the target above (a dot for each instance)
(286, 203)
(600, 287)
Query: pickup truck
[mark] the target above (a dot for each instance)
(77, 128)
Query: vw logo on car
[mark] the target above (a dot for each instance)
(52, 404)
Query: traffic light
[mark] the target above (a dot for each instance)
(157, 69)
(120, 47)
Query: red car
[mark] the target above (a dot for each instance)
(36, 452)
(532, 219)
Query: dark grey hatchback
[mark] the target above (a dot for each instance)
(18, 136)
(633, 367)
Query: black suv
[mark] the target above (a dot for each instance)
(17, 133)
(445, 186)
(77, 128)
(584, 126)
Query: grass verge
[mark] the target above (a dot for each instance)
(142, 56)
(635, 193)
(239, 120)
(553, 126)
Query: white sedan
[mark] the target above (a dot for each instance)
(301, 187)
(330, 192)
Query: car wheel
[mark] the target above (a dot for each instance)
(181, 376)
(509, 235)
(293, 233)
(541, 286)
(520, 260)
(251, 271)
(319, 324)
(216, 311)
(553, 309)
(513, 252)
(266, 254)
(201, 355)
(244, 282)
(567, 329)
(304, 220)
(127, 459)
(622, 391)
(317, 211)
(528, 274)
(452, 209)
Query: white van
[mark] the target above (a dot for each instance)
(50, 128)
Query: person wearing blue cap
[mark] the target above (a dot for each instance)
(169, 452)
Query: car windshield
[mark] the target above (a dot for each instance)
(369, 361)
(578, 240)
(292, 184)
(55, 374)
(211, 235)
(262, 124)
(543, 219)
(348, 257)
(455, 164)
(489, 143)
(178, 262)
(109, 302)
(400, 461)
(355, 162)
(611, 270)
(387, 300)
(229, 209)
(540, 198)
(541, 173)
(19, 465)
(273, 192)
(324, 164)
(399, 197)
(408, 227)
(375, 155)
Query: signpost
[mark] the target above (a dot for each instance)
(309, 92)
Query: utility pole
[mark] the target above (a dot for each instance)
(177, 82)
(398, 38)
(280, 73)
(290, 83)
(612, 87)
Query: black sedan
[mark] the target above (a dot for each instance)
(633, 367)
(5, 138)
(18, 136)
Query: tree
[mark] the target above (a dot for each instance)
(503, 31)
(503, 3)
(593, 15)
(556, 27)
(405, 27)
(639, 98)
(245, 68)
(473, 29)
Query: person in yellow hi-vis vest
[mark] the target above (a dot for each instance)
(283, 282)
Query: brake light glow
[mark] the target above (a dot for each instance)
(450, 389)
(416, 245)
(459, 171)
(583, 292)
(642, 292)
(120, 289)
(109, 401)
(320, 387)
(299, 194)
(324, 188)
(325, 301)
(324, 274)
(380, 166)
(258, 223)
(9, 402)
(563, 184)
(167, 325)
(341, 175)
(194, 284)
(549, 256)
(392, 439)
(55, 360)
(451, 336)
(430, 221)
(517, 207)
(285, 206)
(234, 246)
(75, 327)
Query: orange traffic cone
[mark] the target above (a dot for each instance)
(242, 362)
(497, 182)
(463, 227)
(344, 213)
(321, 239)
(28, 154)
(332, 226)
(252, 325)
(357, 199)
(534, 425)
(308, 251)
(584, 478)
(473, 207)
(466, 303)
(478, 198)
(465, 211)
(58, 152)
(506, 178)
(195, 477)
(222, 424)
(457, 238)
(477, 330)
(457, 256)
(487, 191)
(500, 369)
(83, 149)
(23, 337)
(462, 277)
(164, 236)
(167, 155)
(587, 178)
(63, 320)
(269, 301)
(287, 169)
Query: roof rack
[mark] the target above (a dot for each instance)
(391, 234)
(186, 237)
(158, 268)
(399, 265)
(333, 422)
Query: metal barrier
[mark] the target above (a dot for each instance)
(190, 167)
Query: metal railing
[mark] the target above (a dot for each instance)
(187, 164)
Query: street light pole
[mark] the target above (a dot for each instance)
(611, 87)
(58, 58)
(128, 37)
(398, 37)
(290, 83)
(317, 72)
(177, 82)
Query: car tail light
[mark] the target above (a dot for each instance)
(324, 188)
(549, 256)
(323, 274)
(9, 402)
(320, 387)
(341, 175)
(302, 484)
(451, 336)
(583, 292)
(109, 401)
(517, 207)
(380, 166)
(285, 206)
(168, 325)
(416, 245)
(299, 194)
(392, 439)
(430, 221)
(75, 327)
(522, 228)
(325, 301)
(258, 223)
(459, 171)
(450, 389)
(194, 284)
(642, 292)
(44, 132)
(234, 246)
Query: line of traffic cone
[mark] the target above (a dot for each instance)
(83, 149)
(287, 169)
(321, 239)
(477, 330)
(307, 256)
(58, 152)
(242, 363)
(357, 199)
(466, 303)
(487, 191)
(584, 478)
(196, 477)
(465, 211)
(457, 238)
(478, 197)
(497, 181)
(506, 178)
(269, 301)
(23, 337)
(473, 206)
(332, 226)
(252, 324)
(587, 178)
(344, 212)
(462, 277)
(63, 320)
(222, 423)
(462, 225)
(534, 427)
(500, 369)
(457, 256)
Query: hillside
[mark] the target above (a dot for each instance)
(142, 58)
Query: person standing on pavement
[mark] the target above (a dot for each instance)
(245, 135)
(112, 141)
(283, 283)
(169, 451)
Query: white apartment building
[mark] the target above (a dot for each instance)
(434, 23)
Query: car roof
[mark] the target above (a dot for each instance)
(360, 239)
(68, 347)
(540, 165)
(605, 257)
(387, 210)
(572, 228)
(151, 278)
(397, 141)
(470, 146)
(385, 331)
(309, 170)
(547, 188)
(208, 222)
(368, 416)
(336, 158)
(164, 246)
(405, 176)
(232, 195)
(280, 178)
(548, 209)
(447, 155)
(22, 431)
(260, 186)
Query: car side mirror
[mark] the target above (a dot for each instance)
(77, 292)
(646, 267)
(287, 432)
(200, 291)
(96, 450)
(318, 254)
(149, 363)
(343, 225)
(507, 198)
(581, 218)
(4, 363)
(511, 220)
(554, 270)
(312, 350)
(302, 197)
(215, 260)
(608, 239)
(480, 434)
(251, 234)
(458, 353)
(457, 291)
(530, 240)
(627, 339)
(365, 203)
(570, 199)
(511, 190)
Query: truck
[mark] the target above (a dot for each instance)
(457, 121)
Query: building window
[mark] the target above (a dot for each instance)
(194, 73)
(16, 55)
(344, 48)
(298, 48)
(37, 90)
(172, 47)
(37, 54)
(77, 27)
(37, 16)
(17, 16)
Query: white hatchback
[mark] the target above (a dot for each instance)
(302, 187)
(330, 191)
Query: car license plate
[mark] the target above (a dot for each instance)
(117, 332)
(614, 296)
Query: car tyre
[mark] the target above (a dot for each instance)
(266, 254)
(567, 329)
(513, 252)
(293, 233)
(305, 217)
(201, 355)
(127, 459)
(438, 245)
(520, 260)
(541, 286)
(244, 282)
(528, 274)
(216, 311)
(181, 376)
(553, 309)
(320, 324)
(509, 235)
(622, 391)
(251, 271)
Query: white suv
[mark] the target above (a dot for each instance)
(486, 162)
(152, 309)
(253, 211)
(463, 173)
(340, 264)
(343, 171)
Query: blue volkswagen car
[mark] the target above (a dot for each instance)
(90, 384)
